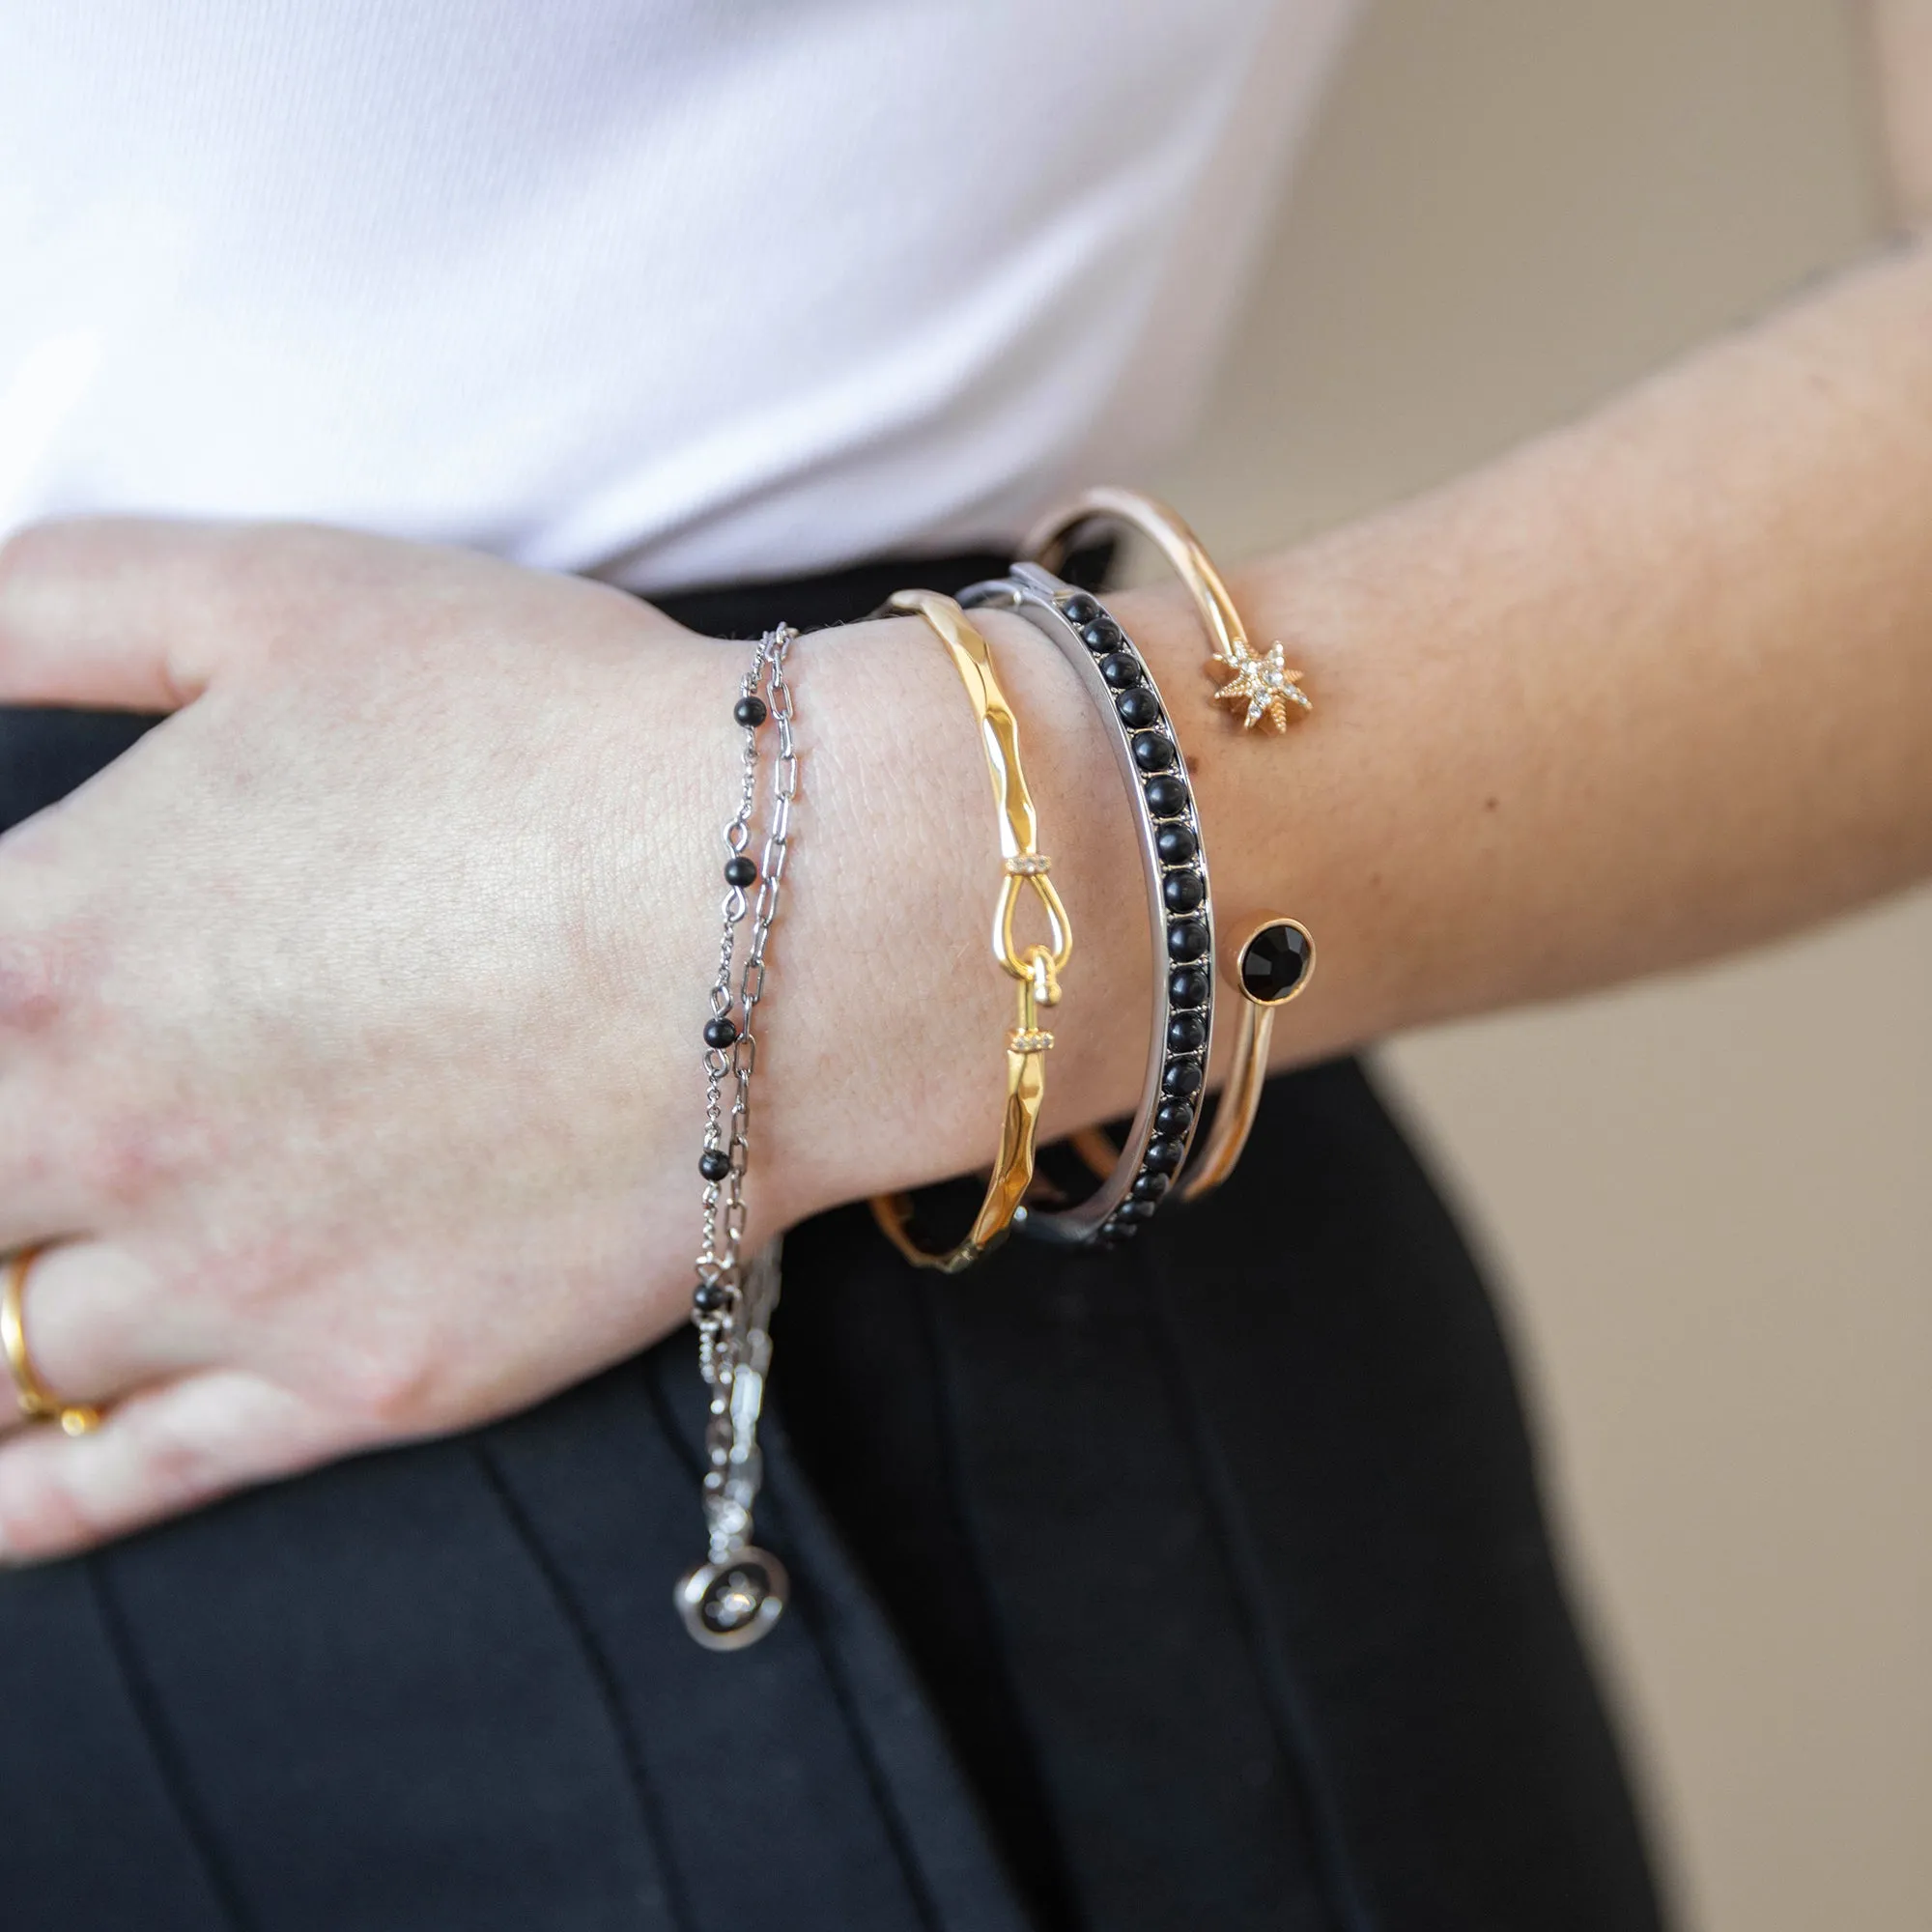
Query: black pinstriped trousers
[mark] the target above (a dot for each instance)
(1202, 1584)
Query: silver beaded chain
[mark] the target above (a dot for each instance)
(738, 1592)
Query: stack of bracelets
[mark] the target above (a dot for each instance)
(736, 1595)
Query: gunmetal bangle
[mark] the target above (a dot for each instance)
(1181, 913)
(738, 1592)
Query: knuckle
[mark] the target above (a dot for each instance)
(36, 983)
(125, 1159)
(43, 1516)
(178, 1469)
(396, 1387)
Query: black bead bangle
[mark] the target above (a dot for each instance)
(1175, 867)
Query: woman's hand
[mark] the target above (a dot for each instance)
(348, 1025)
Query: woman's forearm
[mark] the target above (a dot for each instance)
(1656, 686)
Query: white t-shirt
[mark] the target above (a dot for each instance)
(680, 290)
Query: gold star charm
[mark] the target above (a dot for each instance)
(1264, 684)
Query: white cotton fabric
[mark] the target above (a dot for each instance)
(680, 290)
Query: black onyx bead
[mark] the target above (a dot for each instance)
(1274, 961)
(714, 1163)
(1120, 669)
(1153, 750)
(1164, 1156)
(1167, 798)
(719, 1032)
(741, 871)
(1134, 1210)
(1188, 986)
(1187, 1032)
(1101, 636)
(1182, 890)
(1173, 1118)
(1186, 939)
(1183, 1077)
(751, 711)
(1176, 845)
(1079, 609)
(1138, 706)
(1150, 1186)
(708, 1297)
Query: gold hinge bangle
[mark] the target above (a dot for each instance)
(1036, 968)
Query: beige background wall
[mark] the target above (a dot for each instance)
(1706, 1200)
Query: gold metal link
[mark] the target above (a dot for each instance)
(1038, 968)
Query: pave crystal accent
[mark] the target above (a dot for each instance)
(1028, 866)
(1262, 681)
(1020, 1041)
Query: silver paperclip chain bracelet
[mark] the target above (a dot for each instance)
(738, 1592)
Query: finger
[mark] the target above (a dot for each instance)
(119, 613)
(98, 1324)
(170, 1449)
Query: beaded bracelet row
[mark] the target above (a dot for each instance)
(739, 1591)
(1173, 862)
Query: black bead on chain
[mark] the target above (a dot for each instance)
(709, 1296)
(743, 871)
(751, 712)
(714, 1164)
(719, 1032)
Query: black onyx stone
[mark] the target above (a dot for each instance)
(1164, 1156)
(1182, 890)
(714, 1163)
(1138, 706)
(1120, 669)
(741, 871)
(751, 711)
(1186, 986)
(1134, 1210)
(1079, 609)
(1274, 962)
(1176, 844)
(1101, 636)
(1183, 1077)
(708, 1297)
(1153, 750)
(1150, 1186)
(1186, 939)
(719, 1032)
(1187, 1032)
(1173, 1118)
(1167, 798)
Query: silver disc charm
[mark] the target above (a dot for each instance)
(729, 1604)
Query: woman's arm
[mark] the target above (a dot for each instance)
(347, 1027)
(1653, 687)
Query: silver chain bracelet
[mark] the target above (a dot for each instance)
(738, 1592)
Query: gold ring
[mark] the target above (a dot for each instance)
(1259, 682)
(38, 1404)
(1025, 867)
